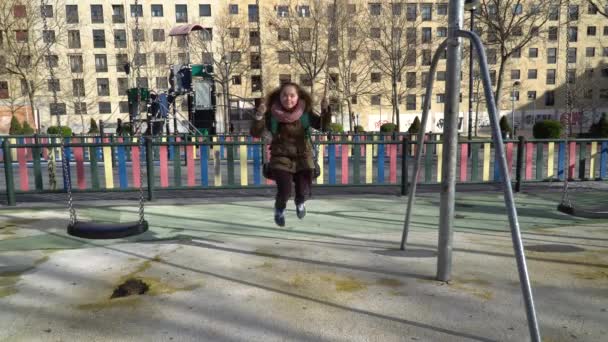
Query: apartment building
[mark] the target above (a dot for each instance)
(256, 45)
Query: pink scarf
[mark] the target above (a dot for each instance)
(284, 116)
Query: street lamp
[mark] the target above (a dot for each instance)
(471, 6)
(515, 87)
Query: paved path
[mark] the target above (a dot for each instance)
(219, 270)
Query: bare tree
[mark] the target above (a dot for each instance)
(392, 28)
(25, 43)
(348, 67)
(510, 26)
(302, 32)
(226, 48)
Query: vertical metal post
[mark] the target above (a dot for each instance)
(450, 140)
(521, 143)
(404, 185)
(472, 51)
(518, 247)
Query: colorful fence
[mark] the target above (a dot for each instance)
(98, 164)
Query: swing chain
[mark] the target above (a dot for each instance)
(139, 134)
(68, 182)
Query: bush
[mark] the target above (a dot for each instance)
(56, 130)
(16, 127)
(93, 127)
(548, 129)
(27, 129)
(336, 128)
(414, 127)
(504, 125)
(359, 129)
(600, 128)
(388, 127)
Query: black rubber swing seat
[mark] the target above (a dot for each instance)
(101, 230)
(592, 213)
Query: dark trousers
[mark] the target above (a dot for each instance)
(283, 179)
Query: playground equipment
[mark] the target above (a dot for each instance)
(99, 230)
(448, 189)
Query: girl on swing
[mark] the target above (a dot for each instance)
(288, 115)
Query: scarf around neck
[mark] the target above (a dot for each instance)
(284, 116)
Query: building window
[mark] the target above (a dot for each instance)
(442, 9)
(74, 39)
(591, 9)
(105, 107)
(256, 83)
(410, 57)
(397, 8)
(284, 78)
(553, 33)
(207, 58)
(236, 80)
(76, 63)
(80, 108)
(549, 98)
(254, 37)
(21, 36)
(410, 80)
(181, 13)
(254, 60)
(206, 34)
(532, 74)
(48, 36)
(118, 14)
(590, 52)
(426, 57)
(411, 12)
(375, 33)
(426, 11)
(103, 87)
(53, 84)
(120, 39)
(571, 76)
(353, 99)
(78, 87)
(283, 34)
(138, 34)
(121, 60)
(603, 93)
(493, 77)
(204, 10)
(283, 11)
(554, 13)
(253, 13)
(410, 102)
(137, 11)
(571, 55)
(233, 9)
(605, 52)
(551, 55)
(57, 108)
(426, 34)
(158, 35)
(532, 52)
(162, 83)
(375, 77)
(123, 107)
(140, 59)
(375, 100)
(4, 90)
(97, 14)
(71, 13)
(123, 86)
(157, 11)
(515, 95)
(375, 8)
(573, 12)
(235, 56)
(422, 98)
(375, 55)
(142, 82)
(532, 95)
(235, 32)
(99, 39)
(572, 34)
(515, 74)
(605, 31)
(442, 32)
(492, 56)
(441, 76)
(518, 9)
(101, 63)
(550, 76)
(591, 31)
(440, 98)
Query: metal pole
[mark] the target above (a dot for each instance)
(524, 278)
(470, 135)
(420, 142)
(450, 141)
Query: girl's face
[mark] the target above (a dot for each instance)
(289, 97)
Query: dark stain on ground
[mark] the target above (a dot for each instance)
(554, 248)
(130, 287)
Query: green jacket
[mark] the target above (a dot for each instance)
(291, 149)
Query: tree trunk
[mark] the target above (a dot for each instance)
(395, 103)
(499, 83)
(351, 119)
(30, 95)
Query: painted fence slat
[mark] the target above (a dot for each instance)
(603, 160)
(486, 161)
(93, 165)
(23, 174)
(439, 161)
(190, 154)
(136, 165)
(539, 160)
(217, 171)
(37, 169)
(572, 159)
(463, 161)
(369, 173)
(582, 160)
(344, 166)
(122, 167)
(509, 151)
(177, 164)
(529, 153)
(474, 162)
(332, 163)
(164, 166)
(67, 176)
(356, 162)
(592, 157)
(380, 160)
(79, 157)
(243, 162)
(561, 158)
(550, 160)
(107, 167)
(428, 166)
(392, 174)
(204, 150)
(257, 164)
(321, 161)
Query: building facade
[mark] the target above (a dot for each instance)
(256, 45)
